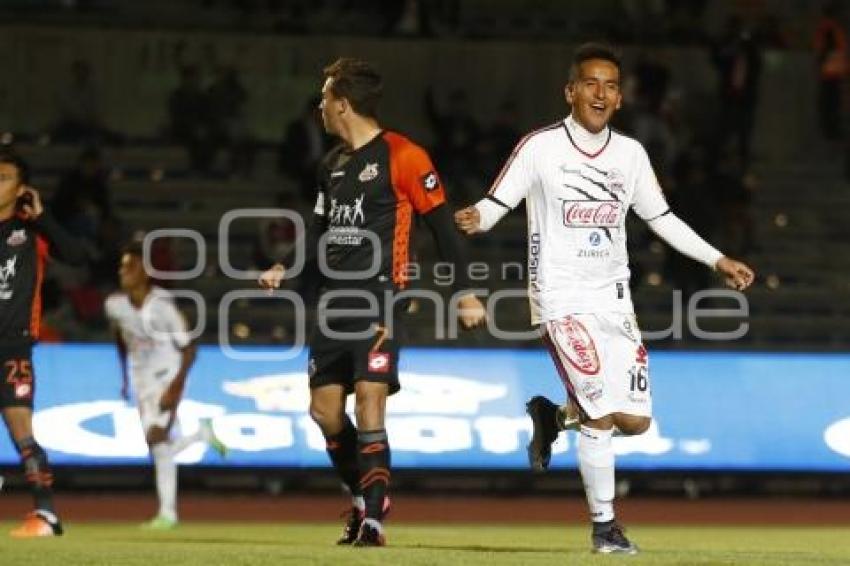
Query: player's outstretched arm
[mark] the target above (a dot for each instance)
(453, 249)
(736, 274)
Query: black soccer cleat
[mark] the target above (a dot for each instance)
(543, 416)
(352, 526)
(613, 541)
(369, 536)
(355, 519)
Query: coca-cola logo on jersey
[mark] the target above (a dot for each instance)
(578, 346)
(592, 214)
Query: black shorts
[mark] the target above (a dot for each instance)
(17, 379)
(345, 360)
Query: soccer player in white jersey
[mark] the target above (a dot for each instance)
(156, 353)
(579, 178)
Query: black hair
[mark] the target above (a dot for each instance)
(357, 81)
(12, 158)
(133, 247)
(589, 51)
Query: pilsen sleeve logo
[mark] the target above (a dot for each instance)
(430, 181)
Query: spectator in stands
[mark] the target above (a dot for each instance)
(304, 144)
(737, 58)
(456, 138)
(275, 236)
(499, 139)
(734, 189)
(830, 44)
(82, 204)
(227, 97)
(79, 110)
(190, 120)
(690, 194)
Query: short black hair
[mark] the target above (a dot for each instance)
(133, 247)
(7, 155)
(588, 51)
(357, 81)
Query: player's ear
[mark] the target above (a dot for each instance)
(619, 101)
(568, 93)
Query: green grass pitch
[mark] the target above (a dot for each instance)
(209, 544)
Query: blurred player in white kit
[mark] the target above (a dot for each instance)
(156, 353)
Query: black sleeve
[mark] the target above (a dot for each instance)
(63, 246)
(315, 229)
(450, 245)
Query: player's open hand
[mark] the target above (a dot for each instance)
(471, 312)
(736, 274)
(31, 206)
(468, 220)
(271, 278)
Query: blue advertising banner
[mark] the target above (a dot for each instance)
(460, 409)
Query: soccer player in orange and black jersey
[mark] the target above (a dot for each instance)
(369, 189)
(27, 236)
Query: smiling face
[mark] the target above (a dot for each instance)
(594, 93)
(131, 272)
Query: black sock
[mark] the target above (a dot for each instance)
(602, 527)
(374, 457)
(342, 448)
(37, 471)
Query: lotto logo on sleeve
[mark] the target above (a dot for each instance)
(430, 181)
(379, 362)
(592, 214)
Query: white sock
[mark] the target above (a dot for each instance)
(165, 470)
(180, 443)
(596, 462)
(374, 523)
(359, 502)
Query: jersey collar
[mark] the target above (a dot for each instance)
(587, 143)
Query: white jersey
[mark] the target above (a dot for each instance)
(577, 196)
(154, 335)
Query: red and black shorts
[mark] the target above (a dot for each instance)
(17, 378)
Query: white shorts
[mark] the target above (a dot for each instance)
(602, 362)
(149, 390)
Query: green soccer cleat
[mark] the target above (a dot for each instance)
(159, 523)
(211, 439)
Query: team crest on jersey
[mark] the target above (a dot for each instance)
(369, 172)
(430, 181)
(615, 181)
(17, 237)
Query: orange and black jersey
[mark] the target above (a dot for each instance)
(24, 248)
(364, 211)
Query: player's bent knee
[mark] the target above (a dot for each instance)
(156, 435)
(633, 425)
